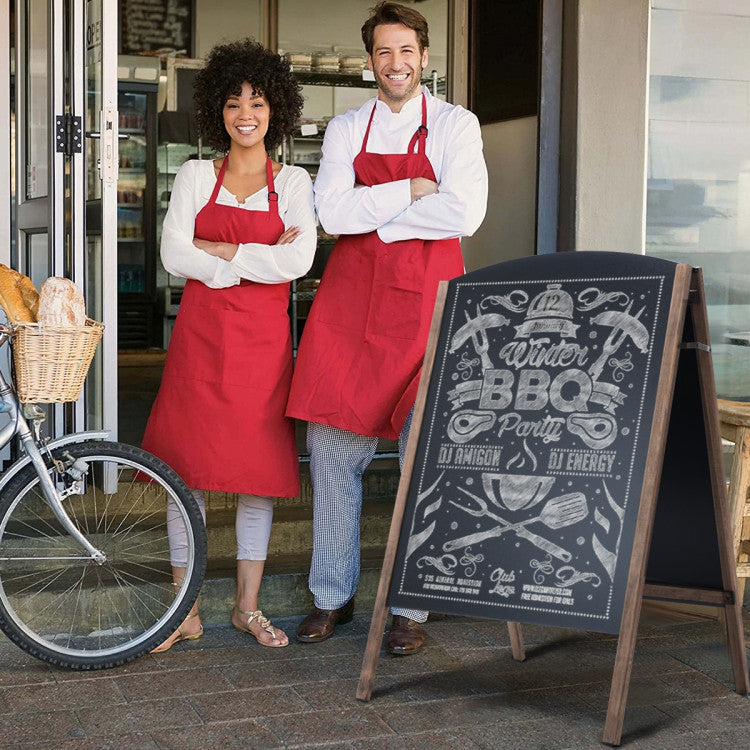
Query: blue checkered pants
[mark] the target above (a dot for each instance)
(338, 458)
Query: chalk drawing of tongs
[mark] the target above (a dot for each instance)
(519, 529)
(480, 341)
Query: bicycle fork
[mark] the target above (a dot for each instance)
(52, 495)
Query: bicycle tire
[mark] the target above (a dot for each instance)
(59, 605)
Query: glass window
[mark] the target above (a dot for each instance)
(698, 195)
(37, 87)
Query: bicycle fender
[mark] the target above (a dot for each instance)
(77, 437)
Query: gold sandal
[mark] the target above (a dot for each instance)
(178, 636)
(263, 622)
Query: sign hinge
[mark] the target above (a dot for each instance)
(68, 134)
(695, 345)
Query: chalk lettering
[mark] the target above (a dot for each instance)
(536, 353)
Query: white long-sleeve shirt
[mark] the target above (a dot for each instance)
(454, 148)
(267, 264)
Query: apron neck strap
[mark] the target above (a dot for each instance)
(369, 124)
(273, 196)
(418, 139)
(219, 179)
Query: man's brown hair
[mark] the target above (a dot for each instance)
(389, 13)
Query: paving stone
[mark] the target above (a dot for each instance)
(172, 683)
(342, 692)
(282, 672)
(335, 725)
(248, 704)
(77, 695)
(45, 725)
(138, 717)
(449, 740)
(130, 741)
(239, 735)
(732, 711)
(19, 668)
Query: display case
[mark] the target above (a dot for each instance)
(136, 238)
(170, 156)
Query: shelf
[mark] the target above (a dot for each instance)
(349, 80)
(332, 78)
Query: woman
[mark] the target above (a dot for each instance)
(239, 229)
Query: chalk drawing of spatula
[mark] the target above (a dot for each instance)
(557, 513)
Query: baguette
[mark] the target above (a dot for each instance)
(18, 296)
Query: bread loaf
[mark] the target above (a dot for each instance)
(18, 296)
(61, 303)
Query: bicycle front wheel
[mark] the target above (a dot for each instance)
(59, 604)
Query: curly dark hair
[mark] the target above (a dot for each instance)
(227, 67)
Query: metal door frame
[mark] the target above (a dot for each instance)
(62, 212)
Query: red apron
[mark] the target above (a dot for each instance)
(362, 349)
(218, 418)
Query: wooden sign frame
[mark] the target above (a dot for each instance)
(686, 348)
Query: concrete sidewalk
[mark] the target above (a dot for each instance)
(462, 691)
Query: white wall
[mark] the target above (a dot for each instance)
(218, 21)
(508, 230)
(611, 125)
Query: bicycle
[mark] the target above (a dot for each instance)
(85, 574)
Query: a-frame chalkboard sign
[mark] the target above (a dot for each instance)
(565, 459)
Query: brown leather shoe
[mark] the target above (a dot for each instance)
(320, 623)
(405, 637)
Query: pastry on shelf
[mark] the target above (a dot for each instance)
(351, 63)
(328, 61)
(299, 60)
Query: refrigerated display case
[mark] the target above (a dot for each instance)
(136, 203)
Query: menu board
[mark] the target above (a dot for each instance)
(528, 472)
(147, 25)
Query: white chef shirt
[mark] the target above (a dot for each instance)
(267, 264)
(454, 148)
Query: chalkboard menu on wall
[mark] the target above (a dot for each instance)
(529, 468)
(147, 25)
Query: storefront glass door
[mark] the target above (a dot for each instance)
(65, 62)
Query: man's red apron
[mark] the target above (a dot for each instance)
(362, 348)
(218, 419)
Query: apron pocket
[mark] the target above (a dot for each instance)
(395, 313)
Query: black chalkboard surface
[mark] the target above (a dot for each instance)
(147, 25)
(529, 467)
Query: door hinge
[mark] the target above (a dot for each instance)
(68, 134)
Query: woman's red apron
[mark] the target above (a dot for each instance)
(361, 352)
(218, 419)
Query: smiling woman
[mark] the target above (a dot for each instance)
(239, 229)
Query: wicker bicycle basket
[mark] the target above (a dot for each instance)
(52, 362)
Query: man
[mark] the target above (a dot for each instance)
(401, 179)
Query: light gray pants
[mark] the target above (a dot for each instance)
(338, 458)
(252, 526)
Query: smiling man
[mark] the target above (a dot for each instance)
(401, 180)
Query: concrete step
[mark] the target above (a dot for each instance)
(281, 594)
(284, 590)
